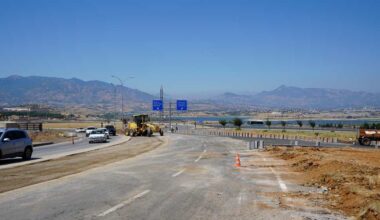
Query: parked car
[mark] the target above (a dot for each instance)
(15, 142)
(80, 130)
(89, 130)
(106, 132)
(111, 129)
(97, 136)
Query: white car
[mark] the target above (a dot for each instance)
(89, 130)
(106, 132)
(97, 136)
(80, 130)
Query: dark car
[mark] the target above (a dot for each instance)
(111, 130)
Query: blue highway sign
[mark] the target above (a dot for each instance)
(157, 105)
(181, 105)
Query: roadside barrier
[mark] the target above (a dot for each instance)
(244, 134)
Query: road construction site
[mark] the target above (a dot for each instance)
(191, 177)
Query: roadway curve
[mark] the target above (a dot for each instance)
(191, 177)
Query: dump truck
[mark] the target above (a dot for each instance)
(140, 125)
(366, 136)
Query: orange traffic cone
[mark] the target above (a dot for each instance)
(237, 160)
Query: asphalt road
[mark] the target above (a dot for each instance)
(48, 150)
(192, 177)
(59, 149)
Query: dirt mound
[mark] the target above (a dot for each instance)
(351, 176)
(371, 212)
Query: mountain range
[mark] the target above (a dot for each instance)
(16, 90)
(303, 98)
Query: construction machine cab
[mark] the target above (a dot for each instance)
(140, 119)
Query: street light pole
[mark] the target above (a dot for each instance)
(122, 99)
(122, 86)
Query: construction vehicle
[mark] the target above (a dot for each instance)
(141, 126)
(366, 136)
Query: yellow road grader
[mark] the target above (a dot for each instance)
(141, 126)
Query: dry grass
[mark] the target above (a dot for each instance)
(73, 125)
(48, 136)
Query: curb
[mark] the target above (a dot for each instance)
(42, 144)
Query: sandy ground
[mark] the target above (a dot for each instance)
(21, 176)
(48, 136)
(349, 178)
(73, 125)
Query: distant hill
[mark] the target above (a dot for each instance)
(17, 90)
(294, 97)
(100, 96)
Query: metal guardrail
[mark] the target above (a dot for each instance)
(250, 134)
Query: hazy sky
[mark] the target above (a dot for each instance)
(195, 47)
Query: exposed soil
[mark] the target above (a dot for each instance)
(350, 177)
(26, 175)
(48, 136)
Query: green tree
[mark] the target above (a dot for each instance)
(283, 124)
(312, 124)
(300, 123)
(378, 126)
(237, 122)
(340, 125)
(365, 125)
(223, 122)
(268, 123)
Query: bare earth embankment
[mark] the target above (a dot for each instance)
(17, 177)
(349, 177)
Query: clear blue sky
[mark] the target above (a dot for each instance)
(195, 47)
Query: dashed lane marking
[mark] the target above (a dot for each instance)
(200, 156)
(178, 173)
(279, 180)
(121, 205)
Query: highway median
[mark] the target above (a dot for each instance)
(42, 171)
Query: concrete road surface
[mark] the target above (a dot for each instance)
(192, 177)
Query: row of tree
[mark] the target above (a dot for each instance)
(238, 123)
(370, 126)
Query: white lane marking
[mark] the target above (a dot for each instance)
(200, 156)
(126, 202)
(178, 173)
(279, 180)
